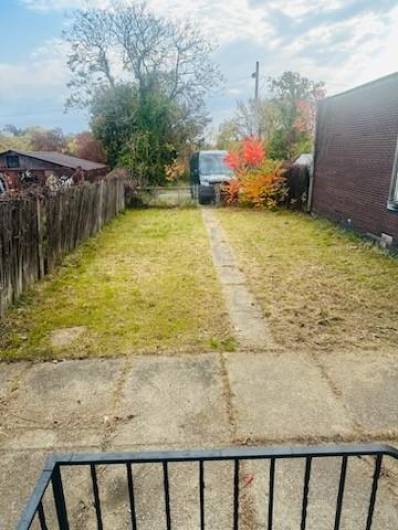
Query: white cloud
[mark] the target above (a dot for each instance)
(53, 5)
(300, 8)
(355, 49)
(223, 20)
(43, 72)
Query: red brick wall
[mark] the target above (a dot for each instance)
(356, 140)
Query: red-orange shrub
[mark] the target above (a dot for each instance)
(258, 181)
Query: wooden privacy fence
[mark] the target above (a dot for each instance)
(35, 232)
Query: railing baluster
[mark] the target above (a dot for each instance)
(166, 494)
(42, 517)
(59, 499)
(97, 502)
(340, 495)
(271, 494)
(202, 495)
(53, 477)
(307, 476)
(373, 494)
(236, 494)
(130, 484)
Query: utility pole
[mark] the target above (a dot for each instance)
(256, 77)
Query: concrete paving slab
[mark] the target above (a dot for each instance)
(19, 473)
(282, 397)
(250, 327)
(173, 399)
(63, 394)
(149, 496)
(367, 382)
(322, 497)
(65, 438)
(9, 374)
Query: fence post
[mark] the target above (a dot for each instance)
(39, 221)
(36, 232)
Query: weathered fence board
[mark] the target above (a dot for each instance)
(36, 232)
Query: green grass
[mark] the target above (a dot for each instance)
(320, 287)
(145, 284)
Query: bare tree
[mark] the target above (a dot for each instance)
(89, 61)
(259, 118)
(147, 49)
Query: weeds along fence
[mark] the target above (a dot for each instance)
(162, 197)
(36, 232)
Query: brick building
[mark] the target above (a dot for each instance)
(355, 178)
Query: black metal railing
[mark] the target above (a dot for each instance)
(48, 507)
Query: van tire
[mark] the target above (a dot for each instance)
(206, 195)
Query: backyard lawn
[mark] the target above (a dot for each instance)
(146, 283)
(320, 288)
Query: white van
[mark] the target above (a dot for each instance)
(207, 170)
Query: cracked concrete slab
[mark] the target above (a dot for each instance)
(180, 402)
(367, 383)
(283, 396)
(62, 392)
(250, 326)
(60, 404)
(19, 472)
(173, 398)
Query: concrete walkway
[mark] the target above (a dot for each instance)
(250, 326)
(208, 400)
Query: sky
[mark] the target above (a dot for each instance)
(341, 42)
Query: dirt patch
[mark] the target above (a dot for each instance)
(60, 338)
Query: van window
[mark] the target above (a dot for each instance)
(213, 164)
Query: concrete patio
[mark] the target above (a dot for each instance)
(188, 401)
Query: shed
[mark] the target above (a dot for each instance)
(40, 164)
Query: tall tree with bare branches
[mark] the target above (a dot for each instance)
(130, 43)
(144, 79)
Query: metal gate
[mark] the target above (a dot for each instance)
(329, 488)
(167, 197)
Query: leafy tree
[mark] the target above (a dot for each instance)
(142, 132)
(84, 145)
(32, 139)
(144, 78)
(228, 135)
(295, 98)
(285, 121)
(47, 139)
(19, 141)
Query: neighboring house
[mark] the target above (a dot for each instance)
(355, 169)
(39, 165)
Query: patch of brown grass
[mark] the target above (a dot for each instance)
(319, 287)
